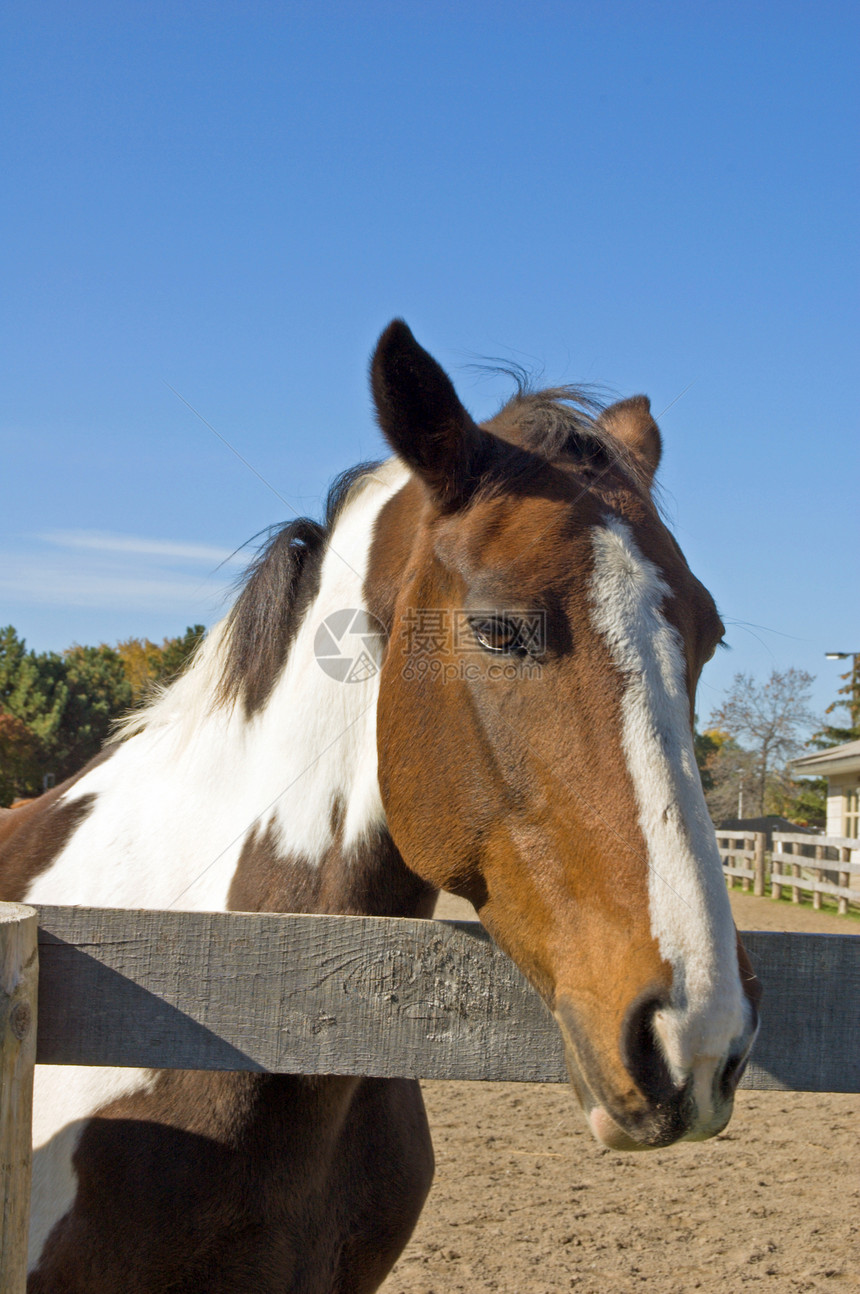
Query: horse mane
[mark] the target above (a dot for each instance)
(562, 424)
(284, 575)
(241, 658)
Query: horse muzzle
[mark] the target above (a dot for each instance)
(634, 1097)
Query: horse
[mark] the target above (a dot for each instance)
(514, 726)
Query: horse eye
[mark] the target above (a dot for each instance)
(712, 653)
(497, 634)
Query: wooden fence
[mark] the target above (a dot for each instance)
(347, 995)
(743, 856)
(814, 864)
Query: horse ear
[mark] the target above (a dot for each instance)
(422, 418)
(630, 421)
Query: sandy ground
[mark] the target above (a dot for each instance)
(525, 1202)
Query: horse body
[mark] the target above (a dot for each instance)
(258, 782)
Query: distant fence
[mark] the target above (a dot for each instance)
(815, 865)
(743, 858)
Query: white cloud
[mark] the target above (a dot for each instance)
(106, 541)
(62, 583)
(110, 571)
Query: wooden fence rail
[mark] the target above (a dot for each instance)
(377, 996)
(347, 995)
(812, 871)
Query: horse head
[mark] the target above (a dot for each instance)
(534, 733)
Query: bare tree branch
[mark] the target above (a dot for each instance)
(770, 717)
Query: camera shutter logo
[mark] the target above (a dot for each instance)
(349, 645)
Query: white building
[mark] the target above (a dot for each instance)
(841, 766)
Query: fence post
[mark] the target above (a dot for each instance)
(795, 871)
(844, 879)
(776, 865)
(19, 972)
(816, 893)
(760, 840)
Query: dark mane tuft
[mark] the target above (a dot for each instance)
(281, 584)
(562, 422)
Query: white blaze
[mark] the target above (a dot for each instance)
(690, 913)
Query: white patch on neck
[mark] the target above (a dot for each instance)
(177, 800)
(690, 912)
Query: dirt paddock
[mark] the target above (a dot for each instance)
(525, 1201)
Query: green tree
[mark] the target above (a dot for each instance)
(32, 688)
(705, 748)
(33, 698)
(20, 768)
(98, 693)
(833, 734)
(803, 802)
(66, 703)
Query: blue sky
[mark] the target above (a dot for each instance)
(232, 200)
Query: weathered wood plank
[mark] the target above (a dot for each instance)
(835, 842)
(810, 1031)
(19, 970)
(816, 865)
(819, 887)
(367, 995)
(290, 994)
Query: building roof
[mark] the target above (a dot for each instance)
(773, 822)
(824, 763)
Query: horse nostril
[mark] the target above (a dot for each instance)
(731, 1075)
(642, 1054)
(736, 1064)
